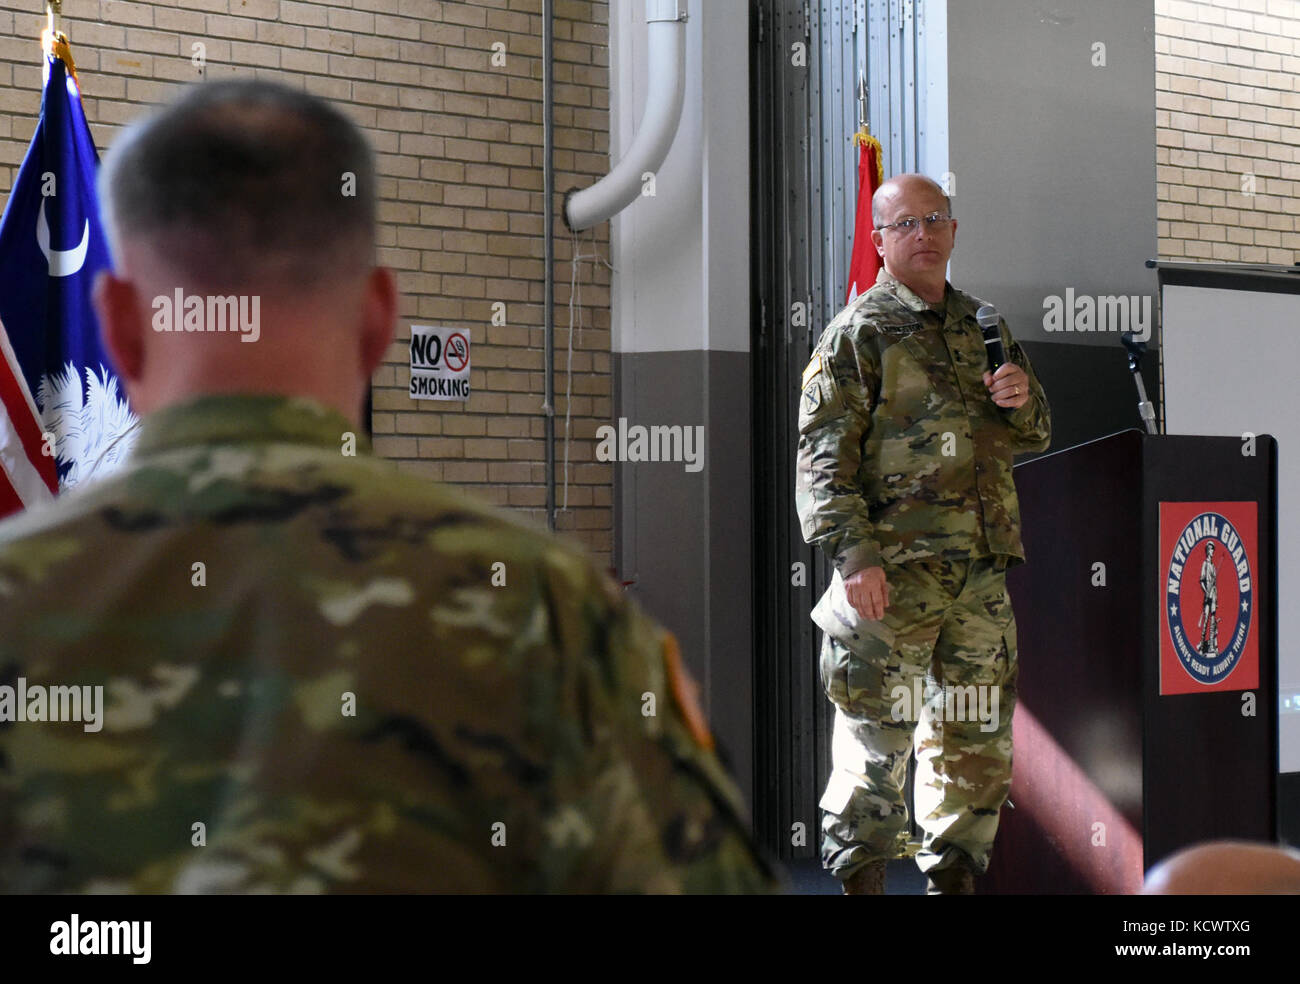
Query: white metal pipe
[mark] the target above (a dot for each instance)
(666, 85)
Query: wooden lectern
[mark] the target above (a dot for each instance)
(1147, 622)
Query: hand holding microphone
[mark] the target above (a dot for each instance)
(1007, 383)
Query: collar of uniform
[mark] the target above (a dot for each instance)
(244, 418)
(908, 297)
(960, 305)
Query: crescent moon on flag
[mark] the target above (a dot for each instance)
(63, 262)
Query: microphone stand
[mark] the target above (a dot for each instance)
(1136, 350)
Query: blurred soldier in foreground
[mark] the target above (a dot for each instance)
(904, 478)
(317, 674)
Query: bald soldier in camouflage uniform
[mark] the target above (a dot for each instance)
(318, 674)
(904, 478)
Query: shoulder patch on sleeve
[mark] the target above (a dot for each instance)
(686, 694)
(812, 399)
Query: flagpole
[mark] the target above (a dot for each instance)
(55, 42)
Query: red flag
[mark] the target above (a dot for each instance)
(871, 175)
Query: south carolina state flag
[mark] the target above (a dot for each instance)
(63, 418)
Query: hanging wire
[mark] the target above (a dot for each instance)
(575, 321)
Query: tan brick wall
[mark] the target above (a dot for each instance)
(1228, 129)
(459, 144)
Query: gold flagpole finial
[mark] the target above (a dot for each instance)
(54, 41)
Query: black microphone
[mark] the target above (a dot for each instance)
(987, 316)
(1135, 348)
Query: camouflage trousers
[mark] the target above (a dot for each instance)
(936, 675)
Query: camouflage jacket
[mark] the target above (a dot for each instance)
(322, 675)
(902, 453)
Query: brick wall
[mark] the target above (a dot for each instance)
(1228, 129)
(459, 144)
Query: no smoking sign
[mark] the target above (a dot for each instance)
(439, 363)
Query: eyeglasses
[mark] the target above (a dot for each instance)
(908, 223)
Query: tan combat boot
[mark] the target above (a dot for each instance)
(867, 880)
(956, 879)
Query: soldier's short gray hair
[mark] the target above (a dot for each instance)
(244, 182)
(877, 219)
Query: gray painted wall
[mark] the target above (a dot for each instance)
(690, 532)
(680, 325)
(1054, 159)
